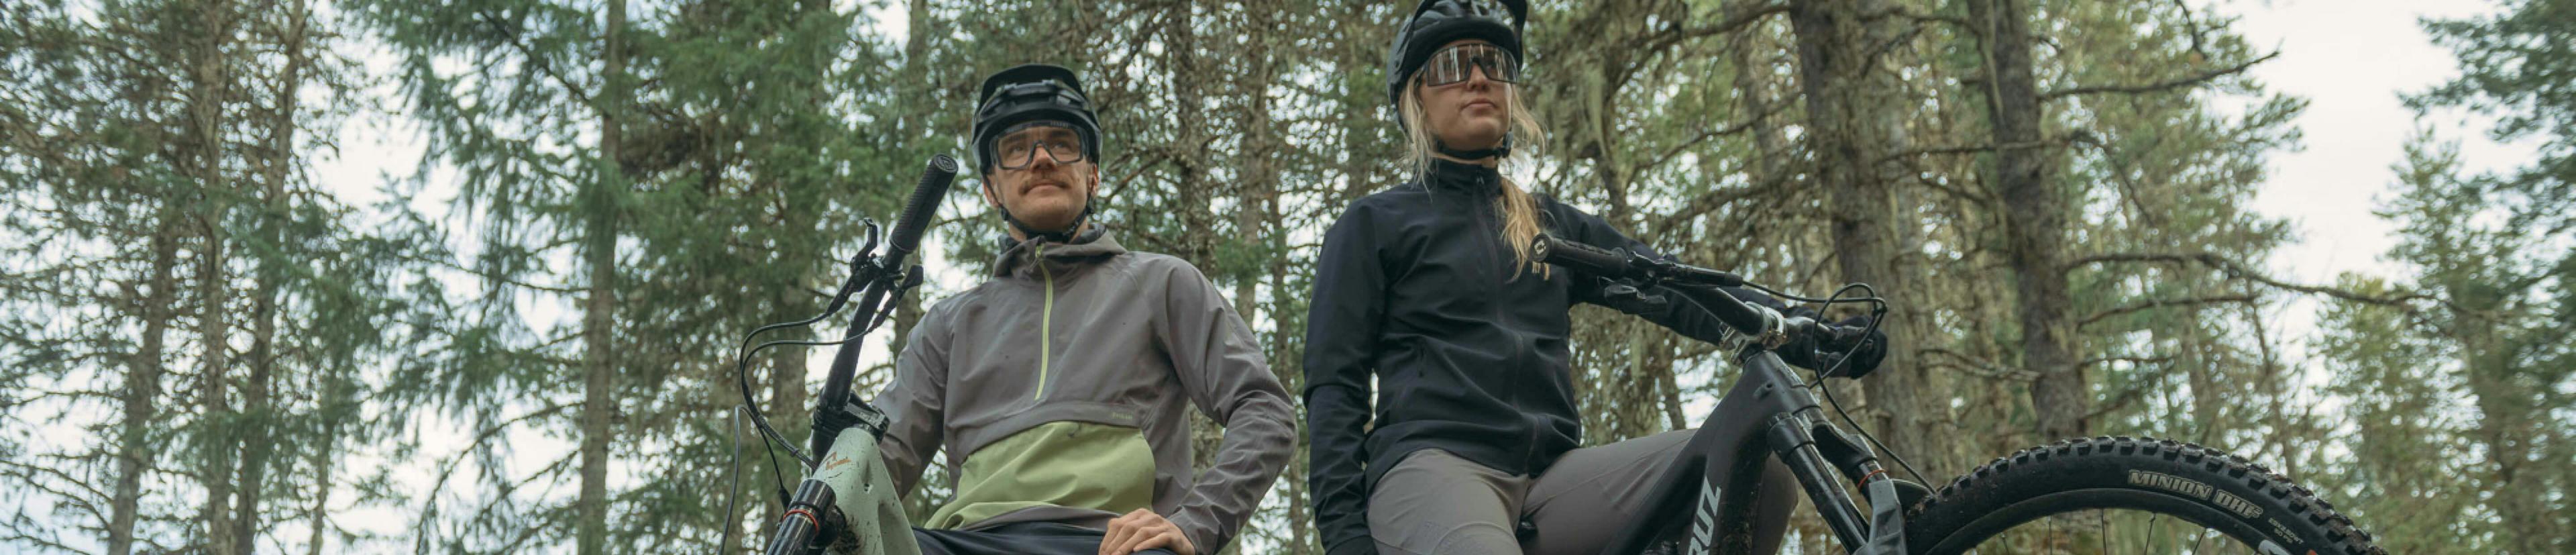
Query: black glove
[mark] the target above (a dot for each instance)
(1862, 355)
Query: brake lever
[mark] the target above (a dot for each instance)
(1631, 299)
(862, 269)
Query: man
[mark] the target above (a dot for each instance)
(1060, 385)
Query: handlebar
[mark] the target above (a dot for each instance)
(1621, 264)
(1762, 325)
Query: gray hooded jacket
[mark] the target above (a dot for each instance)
(1059, 387)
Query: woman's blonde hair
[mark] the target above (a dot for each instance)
(1521, 221)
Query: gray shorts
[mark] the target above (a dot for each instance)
(1433, 502)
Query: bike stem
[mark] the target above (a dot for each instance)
(836, 410)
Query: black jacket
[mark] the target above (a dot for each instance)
(1414, 287)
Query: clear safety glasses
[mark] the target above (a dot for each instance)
(1018, 146)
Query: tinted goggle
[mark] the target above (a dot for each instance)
(1018, 145)
(1450, 65)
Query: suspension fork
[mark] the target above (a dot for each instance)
(1804, 440)
(1809, 444)
(1791, 438)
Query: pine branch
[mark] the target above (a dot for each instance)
(496, 278)
(2118, 401)
(2159, 303)
(1731, 24)
(2241, 271)
(1715, 199)
(1729, 129)
(1976, 366)
(1925, 17)
(511, 37)
(2077, 137)
(2132, 360)
(2178, 82)
(27, 475)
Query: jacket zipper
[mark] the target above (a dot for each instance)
(1046, 321)
(1512, 376)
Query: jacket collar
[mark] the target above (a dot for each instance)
(1023, 258)
(1445, 175)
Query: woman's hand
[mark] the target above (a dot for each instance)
(1141, 530)
(1864, 354)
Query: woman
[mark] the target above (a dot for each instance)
(1430, 287)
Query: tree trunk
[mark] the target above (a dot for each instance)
(143, 386)
(2034, 222)
(255, 397)
(1753, 90)
(1258, 204)
(336, 406)
(1753, 85)
(1198, 226)
(788, 410)
(599, 404)
(2505, 427)
(917, 80)
(323, 465)
(787, 395)
(1854, 127)
(209, 87)
(212, 336)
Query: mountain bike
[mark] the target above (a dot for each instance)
(846, 500)
(2041, 499)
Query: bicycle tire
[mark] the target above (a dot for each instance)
(2225, 493)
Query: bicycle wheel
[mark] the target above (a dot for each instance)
(2129, 495)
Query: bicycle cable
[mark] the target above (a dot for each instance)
(771, 439)
(742, 370)
(1878, 314)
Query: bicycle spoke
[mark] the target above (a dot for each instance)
(2115, 531)
(2105, 517)
(2151, 530)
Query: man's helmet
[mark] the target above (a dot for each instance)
(1032, 93)
(1028, 93)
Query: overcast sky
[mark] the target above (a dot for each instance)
(2352, 59)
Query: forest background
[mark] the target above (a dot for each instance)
(466, 277)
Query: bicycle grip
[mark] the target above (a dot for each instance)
(1611, 263)
(920, 208)
(1841, 337)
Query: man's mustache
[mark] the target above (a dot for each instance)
(1059, 177)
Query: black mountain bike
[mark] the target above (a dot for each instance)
(2051, 498)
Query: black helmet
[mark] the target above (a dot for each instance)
(1439, 22)
(1033, 92)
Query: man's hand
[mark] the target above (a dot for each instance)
(1142, 530)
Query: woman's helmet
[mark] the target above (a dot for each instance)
(1439, 22)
